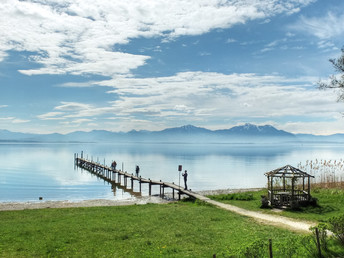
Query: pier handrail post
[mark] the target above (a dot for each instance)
(180, 168)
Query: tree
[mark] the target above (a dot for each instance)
(336, 81)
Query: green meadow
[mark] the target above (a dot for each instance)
(181, 229)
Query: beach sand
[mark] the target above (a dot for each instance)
(104, 202)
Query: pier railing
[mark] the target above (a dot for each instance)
(117, 176)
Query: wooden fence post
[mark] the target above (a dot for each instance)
(318, 242)
(270, 248)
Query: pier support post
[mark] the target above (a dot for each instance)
(140, 185)
(113, 176)
(150, 187)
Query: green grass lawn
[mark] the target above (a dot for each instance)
(176, 230)
(330, 204)
(182, 229)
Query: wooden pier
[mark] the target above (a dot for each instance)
(121, 178)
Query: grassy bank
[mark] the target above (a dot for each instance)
(176, 230)
(330, 204)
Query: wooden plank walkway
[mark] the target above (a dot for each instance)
(122, 177)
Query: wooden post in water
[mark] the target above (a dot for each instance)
(173, 191)
(160, 189)
(150, 186)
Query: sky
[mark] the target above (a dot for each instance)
(82, 65)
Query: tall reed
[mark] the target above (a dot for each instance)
(327, 173)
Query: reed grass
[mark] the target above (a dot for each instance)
(327, 173)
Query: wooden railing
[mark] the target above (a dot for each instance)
(281, 197)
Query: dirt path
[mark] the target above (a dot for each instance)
(279, 221)
(284, 222)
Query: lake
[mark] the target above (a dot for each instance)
(32, 170)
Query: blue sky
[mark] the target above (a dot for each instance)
(68, 65)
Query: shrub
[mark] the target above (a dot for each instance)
(336, 225)
(235, 196)
(257, 249)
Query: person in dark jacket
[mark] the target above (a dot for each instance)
(137, 170)
(113, 165)
(185, 175)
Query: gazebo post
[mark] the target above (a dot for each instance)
(303, 183)
(292, 188)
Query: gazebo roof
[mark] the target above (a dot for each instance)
(288, 172)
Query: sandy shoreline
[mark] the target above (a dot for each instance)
(5, 206)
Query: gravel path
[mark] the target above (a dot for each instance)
(280, 221)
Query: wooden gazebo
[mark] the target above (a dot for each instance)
(288, 186)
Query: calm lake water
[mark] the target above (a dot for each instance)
(29, 171)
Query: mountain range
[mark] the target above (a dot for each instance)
(247, 133)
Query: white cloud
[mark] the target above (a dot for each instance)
(77, 84)
(14, 120)
(7, 118)
(326, 27)
(20, 121)
(3, 106)
(322, 127)
(82, 36)
(206, 98)
(72, 106)
(231, 40)
(51, 116)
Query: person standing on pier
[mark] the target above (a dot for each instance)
(137, 170)
(185, 175)
(113, 165)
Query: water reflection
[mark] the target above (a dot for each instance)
(117, 186)
(32, 170)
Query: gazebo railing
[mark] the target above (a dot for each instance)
(284, 197)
